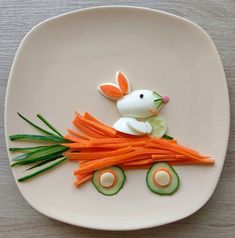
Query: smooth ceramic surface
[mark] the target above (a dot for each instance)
(57, 69)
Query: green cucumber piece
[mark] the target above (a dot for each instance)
(167, 137)
(41, 170)
(40, 155)
(158, 101)
(28, 149)
(36, 151)
(49, 125)
(28, 137)
(158, 126)
(44, 162)
(171, 188)
(114, 189)
(34, 125)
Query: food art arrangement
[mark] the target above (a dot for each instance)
(137, 140)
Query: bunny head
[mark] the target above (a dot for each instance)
(138, 104)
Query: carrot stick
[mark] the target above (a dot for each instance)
(140, 162)
(174, 148)
(106, 130)
(78, 134)
(90, 155)
(116, 140)
(115, 145)
(129, 167)
(73, 138)
(86, 130)
(168, 143)
(78, 182)
(167, 158)
(191, 162)
(88, 116)
(143, 165)
(112, 160)
(83, 162)
(154, 158)
(124, 135)
(91, 118)
(102, 146)
(97, 155)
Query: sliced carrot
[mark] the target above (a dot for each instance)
(73, 138)
(124, 135)
(87, 130)
(91, 118)
(101, 154)
(174, 148)
(110, 145)
(139, 162)
(101, 146)
(130, 167)
(78, 182)
(106, 130)
(191, 162)
(116, 140)
(168, 157)
(98, 155)
(83, 162)
(123, 83)
(78, 134)
(113, 160)
(90, 150)
(179, 147)
(90, 126)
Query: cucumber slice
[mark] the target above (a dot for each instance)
(120, 178)
(166, 188)
(28, 137)
(158, 126)
(39, 155)
(41, 170)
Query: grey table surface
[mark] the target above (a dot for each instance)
(216, 218)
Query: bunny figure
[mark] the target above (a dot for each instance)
(135, 107)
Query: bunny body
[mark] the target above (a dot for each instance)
(135, 106)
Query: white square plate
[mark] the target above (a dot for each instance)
(56, 71)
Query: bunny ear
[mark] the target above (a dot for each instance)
(123, 82)
(110, 91)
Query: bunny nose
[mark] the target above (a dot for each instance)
(165, 99)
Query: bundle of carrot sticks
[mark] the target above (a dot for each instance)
(96, 145)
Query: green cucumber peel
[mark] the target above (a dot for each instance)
(171, 188)
(44, 162)
(48, 124)
(33, 174)
(41, 155)
(159, 105)
(39, 152)
(168, 137)
(34, 125)
(29, 137)
(28, 149)
(154, 92)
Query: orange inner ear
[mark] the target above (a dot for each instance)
(123, 83)
(111, 91)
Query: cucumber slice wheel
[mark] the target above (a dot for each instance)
(162, 179)
(158, 126)
(109, 181)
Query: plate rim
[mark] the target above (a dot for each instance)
(95, 8)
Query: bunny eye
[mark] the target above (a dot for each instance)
(141, 95)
